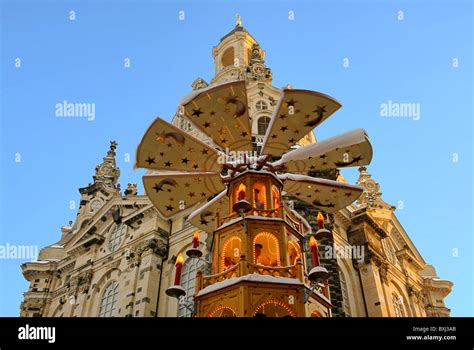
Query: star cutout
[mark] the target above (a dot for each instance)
(171, 199)
(190, 150)
(187, 184)
(206, 125)
(221, 131)
(223, 140)
(274, 136)
(203, 194)
(204, 222)
(195, 166)
(212, 113)
(244, 133)
(157, 188)
(197, 112)
(320, 110)
(284, 128)
(191, 194)
(283, 116)
(292, 140)
(168, 163)
(150, 161)
(204, 151)
(323, 156)
(347, 194)
(184, 160)
(298, 193)
(162, 154)
(169, 144)
(169, 208)
(290, 103)
(296, 131)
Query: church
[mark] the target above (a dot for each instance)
(124, 256)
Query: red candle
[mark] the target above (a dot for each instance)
(320, 221)
(179, 267)
(196, 240)
(314, 251)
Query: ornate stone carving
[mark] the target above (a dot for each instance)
(156, 246)
(256, 69)
(132, 189)
(371, 188)
(199, 84)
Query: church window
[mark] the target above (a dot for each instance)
(108, 303)
(266, 250)
(231, 251)
(188, 282)
(346, 306)
(262, 125)
(228, 57)
(261, 105)
(115, 238)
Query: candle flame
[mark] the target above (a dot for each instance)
(196, 234)
(320, 217)
(179, 260)
(312, 242)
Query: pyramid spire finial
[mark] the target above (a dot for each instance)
(238, 22)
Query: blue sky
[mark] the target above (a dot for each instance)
(82, 61)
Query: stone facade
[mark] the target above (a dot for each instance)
(117, 258)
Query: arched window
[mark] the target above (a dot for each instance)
(231, 251)
(259, 196)
(116, 237)
(222, 311)
(346, 306)
(261, 105)
(266, 250)
(108, 303)
(262, 125)
(274, 308)
(275, 197)
(228, 57)
(294, 252)
(240, 192)
(398, 305)
(188, 282)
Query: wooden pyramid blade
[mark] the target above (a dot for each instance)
(349, 149)
(166, 147)
(172, 192)
(297, 113)
(221, 112)
(206, 217)
(327, 195)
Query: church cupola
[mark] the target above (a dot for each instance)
(238, 56)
